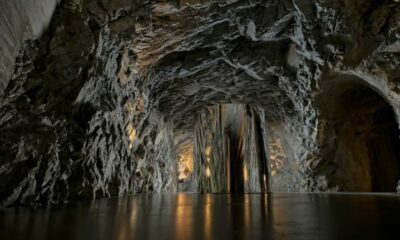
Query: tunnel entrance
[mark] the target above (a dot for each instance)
(230, 154)
(384, 150)
(367, 155)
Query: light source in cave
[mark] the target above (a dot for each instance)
(185, 163)
(245, 173)
(131, 131)
(208, 153)
(366, 142)
(208, 172)
(208, 159)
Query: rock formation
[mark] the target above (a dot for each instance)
(109, 99)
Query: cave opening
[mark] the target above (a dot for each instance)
(367, 141)
(230, 154)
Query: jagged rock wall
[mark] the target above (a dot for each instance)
(67, 114)
(45, 118)
(100, 103)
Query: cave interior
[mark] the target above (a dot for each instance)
(189, 119)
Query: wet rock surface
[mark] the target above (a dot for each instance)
(103, 102)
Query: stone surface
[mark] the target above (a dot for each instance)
(105, 101)
(20, 20)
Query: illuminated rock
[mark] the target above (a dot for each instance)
(104, 102)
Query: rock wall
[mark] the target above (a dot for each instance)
(105, 101)
(67, 114)
(20, 20)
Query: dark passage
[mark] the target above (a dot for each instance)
(384, 151)
(368, 152)
(235, 161)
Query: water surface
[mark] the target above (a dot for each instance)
(219, 216)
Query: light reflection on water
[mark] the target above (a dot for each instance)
(183, 218)
(208, 217)
(196, 216)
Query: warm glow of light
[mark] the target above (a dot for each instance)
(265, 179)
(208, 172)
(247, 211)
(245, 173)
(208, 217)
(182, 176)
(208, 159)
(183, 217)
(208, 152)
(131, 134)
(185, 163)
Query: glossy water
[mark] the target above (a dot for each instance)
(195, 216)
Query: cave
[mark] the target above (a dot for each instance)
(188, 119)
(366, 139)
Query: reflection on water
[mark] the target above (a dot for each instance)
(196, 216)
(208, 217)
(183, 217)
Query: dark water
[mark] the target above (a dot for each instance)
(195, 216)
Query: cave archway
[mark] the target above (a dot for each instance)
(230, 150)
(361, 138)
